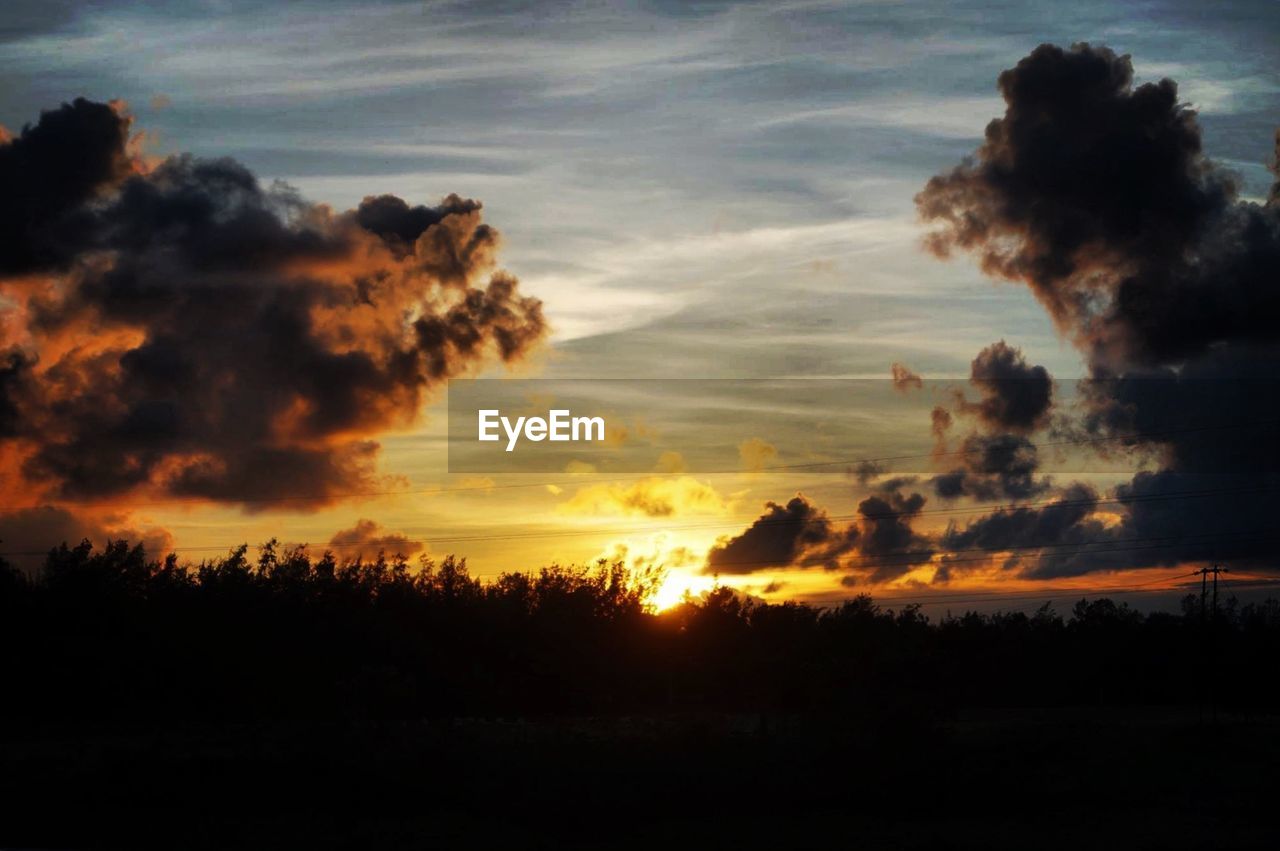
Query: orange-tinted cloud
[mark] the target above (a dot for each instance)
(755, 453)
(655, 496)
(369, 538)
(28, 533)
(195, 334)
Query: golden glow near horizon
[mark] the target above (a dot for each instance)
(667, 520)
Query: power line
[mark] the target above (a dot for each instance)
(787, 521)
(998, 596)
(329, 495)
(1256, 576)
(930, 601)
(1013, 595)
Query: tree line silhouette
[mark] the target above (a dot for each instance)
(111, 633)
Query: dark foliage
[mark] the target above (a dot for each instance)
(290, 701)
(111, 634)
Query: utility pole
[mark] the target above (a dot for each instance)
(1209, 635)
(1216, 571)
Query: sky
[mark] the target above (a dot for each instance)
(691, 190)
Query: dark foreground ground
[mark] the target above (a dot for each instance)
(148, 705)
(1064, 778)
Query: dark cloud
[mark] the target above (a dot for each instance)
(1001, 466)
(1068, 520)
(1202, 517)
(897, 483)
(49, 171)
(368, 538)
(15, 370)
(1213, 415)
(1015, 396)
(998, 461)
(797, 534)
(195, 333)
(879, 546)
(864, 472)
(25, 18)
(27, 534)
(1097, 195)
(888, 546)
(1153, 526)
(399, 224)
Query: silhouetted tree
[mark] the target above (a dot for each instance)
(111, 633)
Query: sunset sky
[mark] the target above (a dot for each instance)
(692, 191)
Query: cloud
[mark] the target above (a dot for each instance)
(369, 538)
(998, 461)
(182, 329)
(755, 453)
(887, 535)
(865, 471)
(1068, 520)
(1070, 536)
(1001, 466)
(28, 533)
(796, 534)
(652, 552)
(50, 171)
(879, 546)
(654, 496)
(1097, 195)
(1015, 395)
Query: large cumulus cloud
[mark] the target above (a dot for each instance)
(1097, 195)
(180, 328)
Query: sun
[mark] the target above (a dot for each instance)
(676, 585)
